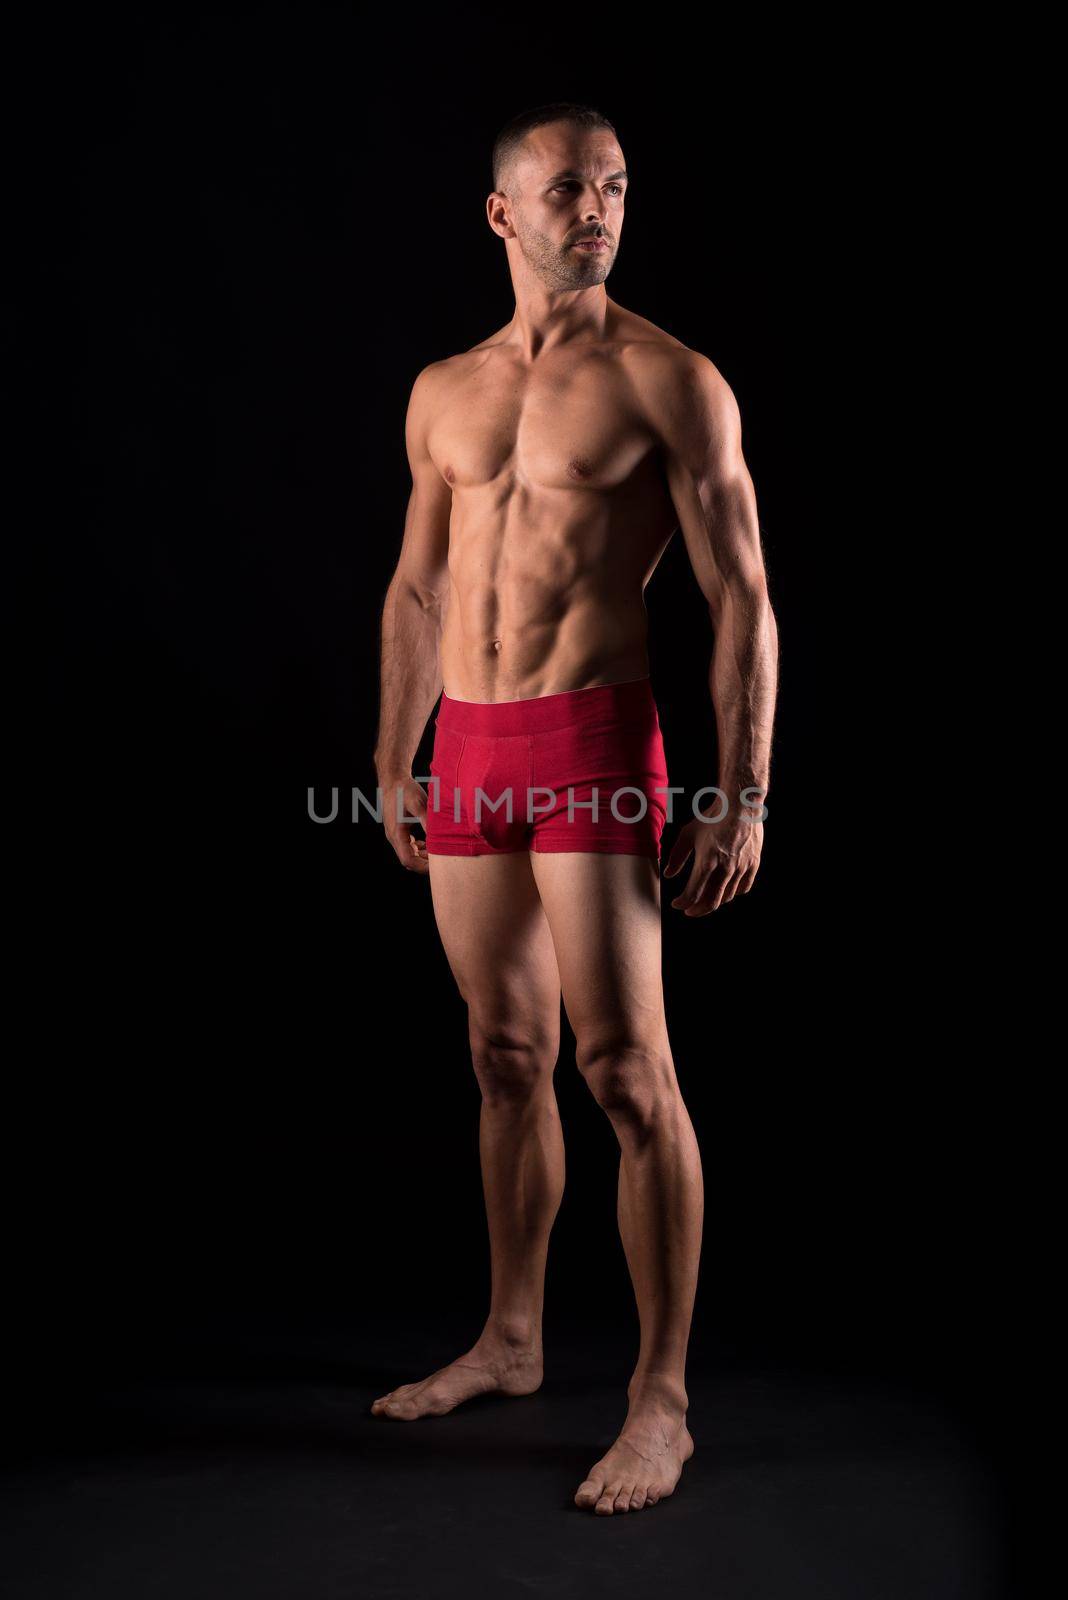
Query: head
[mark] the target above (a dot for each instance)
(558, 185)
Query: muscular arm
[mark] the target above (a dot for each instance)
(412, 612)
(713, 494)
(697, 419)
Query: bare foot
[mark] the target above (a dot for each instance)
(646, 1461)
(496, 1363)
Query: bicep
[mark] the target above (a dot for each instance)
(711, 487)
(424, 554)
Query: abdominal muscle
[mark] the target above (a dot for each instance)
(578, 642)
(545, 603)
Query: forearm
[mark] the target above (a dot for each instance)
(411, 676)
(743, 680)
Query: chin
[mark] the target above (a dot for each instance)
(594, 272)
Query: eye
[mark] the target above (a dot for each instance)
(617, 188)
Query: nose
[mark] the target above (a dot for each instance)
(595, 208)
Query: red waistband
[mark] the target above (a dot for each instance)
(614, 702)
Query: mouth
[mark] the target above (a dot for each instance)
(594, 246)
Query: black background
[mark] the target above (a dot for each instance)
(254, 1128)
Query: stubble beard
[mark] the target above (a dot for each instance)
(562, 266)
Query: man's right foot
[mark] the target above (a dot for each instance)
(495, 1364)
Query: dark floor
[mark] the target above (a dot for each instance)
(285, 1485)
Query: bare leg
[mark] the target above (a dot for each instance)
(604, 913)
(499, 947)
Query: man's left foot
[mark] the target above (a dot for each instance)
(646, 1461)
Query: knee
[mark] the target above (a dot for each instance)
(511, 1063)
(632, 1079)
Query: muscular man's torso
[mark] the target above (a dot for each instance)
(560, 511)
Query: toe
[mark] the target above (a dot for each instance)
(588, 1491)
(607, 1502)
(623, 1498)
(637, 1499)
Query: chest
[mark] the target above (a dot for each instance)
(566, 428)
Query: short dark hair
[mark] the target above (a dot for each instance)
(508, 142)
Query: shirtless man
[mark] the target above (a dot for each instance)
(551, 465)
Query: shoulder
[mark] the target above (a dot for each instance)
(429, 380)
(663, 368)
(676, 385)
(685, 401)
(428, 393)
(424, 404)
(687, 404)
(434, 381)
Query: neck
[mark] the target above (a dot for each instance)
(546, 318)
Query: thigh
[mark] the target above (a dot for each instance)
(604, 916)
(498, 943)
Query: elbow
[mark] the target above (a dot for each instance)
(428, 596)
(743, 598)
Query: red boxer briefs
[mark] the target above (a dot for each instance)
(522, 774)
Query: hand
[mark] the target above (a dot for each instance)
(411, 851)
(726, 859)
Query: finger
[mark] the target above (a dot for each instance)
(409, 801)
(678, 855)
(707, 899)
(728, 889)
(693, 890)
(406, 850)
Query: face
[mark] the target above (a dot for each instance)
(568, 206)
